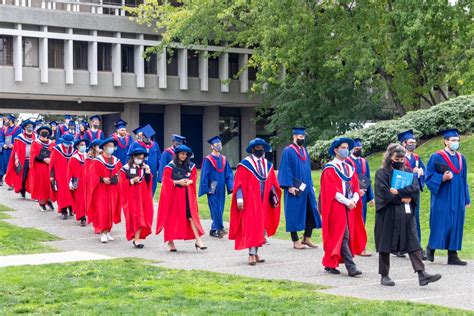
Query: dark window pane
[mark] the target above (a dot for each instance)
(150, 64)
(172, 64)
(80, 55)
(229, 130)
(193, 64)
(252, 73)
(233, 65)
(6, 50)
(55, 53)
(104, 56)
(213, 66)
(127, 58)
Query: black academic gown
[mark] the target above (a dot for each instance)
(395, 230)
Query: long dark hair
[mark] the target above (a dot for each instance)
(392, 149)
(131, 160)
(185, 164)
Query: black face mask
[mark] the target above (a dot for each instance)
(397, 165)
(357, 153)
(258, 152)
(300, 142)
(44, 134)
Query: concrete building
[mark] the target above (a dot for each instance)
(84, 57)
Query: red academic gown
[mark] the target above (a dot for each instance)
(172, 207)
(103, 204)
(40, 184)
(334, 217)
(58, 166)
(19, 150)
(137, 202)
(76, 168)
(248, 226)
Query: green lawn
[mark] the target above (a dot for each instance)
(16, 240)
(425, 150)
(134, 287)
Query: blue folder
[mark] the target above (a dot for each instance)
(401, 179)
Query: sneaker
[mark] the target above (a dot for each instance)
(109, 237)
(103, 238)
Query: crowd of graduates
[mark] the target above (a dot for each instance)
(96, 179)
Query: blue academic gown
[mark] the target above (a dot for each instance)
(91, 135)
(153, 160)
(6, 153)
(166, 157)
(411, 162)
(2, 165)
(369, 195)
(292, 166)
(123, 144)
(215, 171)
(448, 204)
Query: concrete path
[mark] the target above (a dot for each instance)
(46, 258)
(283, 262)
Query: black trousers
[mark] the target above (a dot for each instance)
(309, 225)
(26, 169)
(415, 258)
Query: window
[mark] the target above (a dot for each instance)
(6, 50)
(127, 58)
(104, 57)
(30, 52)
(151, 64)
(193, 64)
(112, 10)
(172, 64)
(213, 67)
(229, 130)
(80, 55)
(233, 65)
(55, 53)
(252, 73)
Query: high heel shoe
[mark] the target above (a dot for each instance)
(139, 246)
(172, 249)
(200, 247)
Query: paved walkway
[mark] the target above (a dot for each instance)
(454, 289)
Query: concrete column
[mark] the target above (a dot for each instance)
(210, 125)
(18, 54)
(43, 55)
(139, 63)
(117, 63)
(244, 75)
(161, 71)
(183, 68)
(204, 70)
(224, 71)
(248, 129)
(172, 122)
(92, 60)
(131, 115)
(68, 59)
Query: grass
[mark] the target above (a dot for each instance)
(16, 240)
(133, 286)
(425, 150)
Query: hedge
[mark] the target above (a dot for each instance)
(427, 123)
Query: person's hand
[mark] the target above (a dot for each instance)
(10, 146)
(351, 205)
(406, 200)
(106, 180)
(448, 175)
(189, 181)
(47, 160)
(394, 191)
(181, 182)
(292, 190)
(468, 205)
(147, 168)
(136, 179)
(372, 203)
(71, 187)
(17, 162)
(420, 172)
(415, 170)
(362, 192)
(5, 146)
(240, 205)
(51, 179)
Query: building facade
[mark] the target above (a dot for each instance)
(84, 58)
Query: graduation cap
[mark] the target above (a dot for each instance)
(11, 117)
(258, 142)
(215, 139)
(298, 131)
(95, 142)
(137, 149)
(148, 131)
(183, 148)
(78, 141)
(67, 139)
(120, 124)
(72, 123)
(53, 123)
(137, 130)
(357, 142)
(95, 117)
(27, 122)
(406, 135)
(452, 132)
(84, 123)
(44, 128)
(338, 142)
(67, 117)
(178, 138)
(106, 141)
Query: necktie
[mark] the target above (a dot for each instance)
(260, 169)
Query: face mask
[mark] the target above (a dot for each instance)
(397, 165)
(454, 146)
(258, 153)
(44, 134)
(410, 147)
(146, 140)
(67, 145)
(343, 152)
(217, 148)
(82, 149)
(300, 142)
(138, 161)
(29, 128)
(110, 150)
(357, 153)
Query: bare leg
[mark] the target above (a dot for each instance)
(196, 233)
(137, 236)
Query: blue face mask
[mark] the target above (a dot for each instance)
(82, 149)
(454, 146)
(217, 147)
(343, 152)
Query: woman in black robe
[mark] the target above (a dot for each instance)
(395, 224)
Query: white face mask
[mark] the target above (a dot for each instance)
(138, 161)
(82, 149)
(110, 150)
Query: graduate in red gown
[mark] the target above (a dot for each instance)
(255, 207)
(103, 191)
(19, 164)
(77, 179)
(136, 195)
(39, 168)
(343, 230)
(60, 156)
(178, 213)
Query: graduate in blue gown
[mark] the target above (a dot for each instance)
(94, 132)
(145, 139)
(294, 176)
(361, 166)
(2, 140)
(123, 139)
(446, 178)
(216, 175)
(168, 153)
(54, 131)
(63, 128)
(10, 132)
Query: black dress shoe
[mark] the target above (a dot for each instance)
(139, 246)
(425, 278)
(430, 254)
(453, 259)
(354, 272)
(399, 254)
(51, 206)
(423, 255)
(332, 270)
(215, 234)
(71, 213)
(64, 215)
(43, 207)
(83, 222)
(385, 280)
